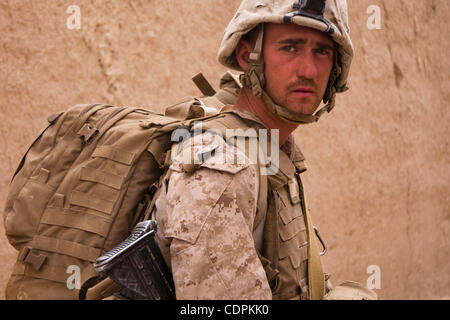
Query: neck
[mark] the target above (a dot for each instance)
(248, 102)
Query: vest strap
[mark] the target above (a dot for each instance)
(316, 277)
(66, 247)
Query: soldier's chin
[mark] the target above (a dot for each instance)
(305, 109)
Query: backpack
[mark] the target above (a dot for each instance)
(85, 182)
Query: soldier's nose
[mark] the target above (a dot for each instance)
(306, 67)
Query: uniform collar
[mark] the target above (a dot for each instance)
(244, 115)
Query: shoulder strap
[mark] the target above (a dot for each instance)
(204, 86)
(261, 211)
(316, 277)
(262, 200)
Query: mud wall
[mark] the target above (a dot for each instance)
(378, 178)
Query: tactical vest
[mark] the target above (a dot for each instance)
(285, 237)
(286, 245)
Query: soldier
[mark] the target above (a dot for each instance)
(227, 230)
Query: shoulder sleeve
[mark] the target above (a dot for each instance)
(210, 215)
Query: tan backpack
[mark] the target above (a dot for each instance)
(83, 185)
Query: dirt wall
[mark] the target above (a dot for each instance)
(379, 164)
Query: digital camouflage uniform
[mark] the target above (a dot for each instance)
(208, 212)
(207, 224)
(207, 218)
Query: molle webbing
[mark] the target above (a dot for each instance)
(76, 192)
(290, 246)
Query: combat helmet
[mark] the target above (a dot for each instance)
(329, 16)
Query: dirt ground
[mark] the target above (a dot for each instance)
(379, 164)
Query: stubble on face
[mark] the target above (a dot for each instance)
(296, 74)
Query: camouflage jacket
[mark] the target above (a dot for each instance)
(206, 219)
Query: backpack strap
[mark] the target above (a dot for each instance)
(89, 132)
(203, 84)
(261, 210)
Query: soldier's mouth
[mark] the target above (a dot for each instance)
(304, 92)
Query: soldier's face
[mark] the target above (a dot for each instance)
(298, 63)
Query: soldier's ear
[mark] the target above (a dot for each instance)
(242, 52)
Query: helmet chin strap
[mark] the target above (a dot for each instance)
(254, 78)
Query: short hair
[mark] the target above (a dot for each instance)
(251, 36)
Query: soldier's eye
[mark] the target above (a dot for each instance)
(322, 51)
(288, 49)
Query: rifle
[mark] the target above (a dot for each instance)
(138, 266)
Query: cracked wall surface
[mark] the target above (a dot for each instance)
(379, 164)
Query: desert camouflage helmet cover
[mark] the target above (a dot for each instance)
(334, 21)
